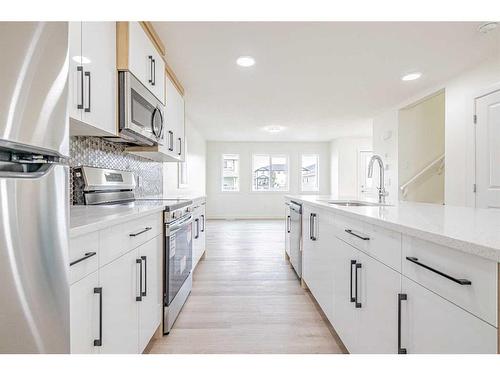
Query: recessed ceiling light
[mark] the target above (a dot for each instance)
(487, 27)
(274, 128)
(411, 76)
(81, 59)
(245, 61)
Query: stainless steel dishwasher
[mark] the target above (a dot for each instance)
(296, 237)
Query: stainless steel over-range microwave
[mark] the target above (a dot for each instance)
(140, 113)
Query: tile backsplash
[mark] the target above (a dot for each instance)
(97, 152)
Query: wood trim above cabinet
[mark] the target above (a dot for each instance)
(153, 36)
(174, 79)
(122, 43)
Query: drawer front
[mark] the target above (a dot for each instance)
(120, 239)
(380, 243)
(479, 298)
(83, 256)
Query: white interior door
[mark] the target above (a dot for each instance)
(488, 150)
(366, 186)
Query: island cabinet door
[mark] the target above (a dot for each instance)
(431, 324)
(378, 290)
(120, 281)
(345, 314)
(287, 228)
(150, 305)
(317, 262)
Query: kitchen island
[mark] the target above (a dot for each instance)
(408, 278)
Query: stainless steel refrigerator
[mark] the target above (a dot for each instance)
(34, 289)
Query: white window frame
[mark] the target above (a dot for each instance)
(270, 156)
(317, 173)
(222, 173)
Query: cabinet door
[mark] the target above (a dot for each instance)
(378, 288)
(75, 71)
(345, 314)
(120, 287)
(145, 62)
(84, 315)
(287, 229)
(150, 306)
(196, 236)
(174, 119)
(203, 225)
(318, 261)
(99, 65)
(431, 324)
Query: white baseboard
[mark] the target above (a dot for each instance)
(245, 218)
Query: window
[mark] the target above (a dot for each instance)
(309, 173)
(230, 172)
(270, 173)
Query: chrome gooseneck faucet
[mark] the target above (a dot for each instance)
(381, 189)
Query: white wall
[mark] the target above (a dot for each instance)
(344, 155)
(420, 142)
(196, 165)
(249, 204)
(459, 133)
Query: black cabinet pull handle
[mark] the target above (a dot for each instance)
(197, 222)
(288, 224)
(80, 70)
(357, 304)
(140, 232)
(458, 281)
(87, 256)
(98, 342)
(313, 227)
(170, 140)
(202, 223)
(361, 236)
(145, 259)
(87, 74)
(352, 299)
(139, 297)
(150, 69)
(180, 147)
(154, 72)
(401, 297)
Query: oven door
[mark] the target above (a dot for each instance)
(141, 115)
(178, 255)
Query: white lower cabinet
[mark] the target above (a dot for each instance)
(84, 313)
(199, 234)
(431, 324)
(344, 318)
(378, 289)
(287, 228)
(120, 310)
(150, 304)
(318, 261)
(123, 295)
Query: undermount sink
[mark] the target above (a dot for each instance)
(353, 203)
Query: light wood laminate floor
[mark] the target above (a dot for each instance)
(246, 298)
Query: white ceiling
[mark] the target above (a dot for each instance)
(319, 80)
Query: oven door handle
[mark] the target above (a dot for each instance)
(174, 227)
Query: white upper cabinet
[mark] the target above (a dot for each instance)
(174, 114)
(92, 78)
(145, 62)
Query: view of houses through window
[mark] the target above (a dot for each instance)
(309, 172)
(270, 173)
(230, 172)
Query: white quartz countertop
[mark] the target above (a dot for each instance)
(472, 230)
(87, 219)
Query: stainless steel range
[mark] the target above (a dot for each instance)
(97, 186)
